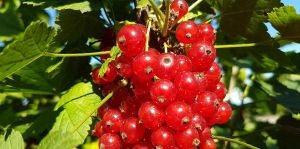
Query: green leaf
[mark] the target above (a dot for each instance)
(79, 104)
(57, 139)
(291, 81)
(26, 48)
(12, 140)
(190, 15)
(142, 3)
(85, 25)
(11, 25)
(287, 22)
(114, 52)
(245, 18)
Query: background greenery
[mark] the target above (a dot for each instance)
(48, 102)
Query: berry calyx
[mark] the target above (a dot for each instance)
(187, 32)
(178, 9)
(163, 92)
(167, 66)
(178, 115)
(144, 65)
(112, 121)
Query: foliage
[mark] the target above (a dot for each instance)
(42, 103)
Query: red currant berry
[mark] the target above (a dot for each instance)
(167, 66)
(178, 9)
(102, 110)
(206, 33)
(131, 40)
(163, 92)
(198, 122)
(140, 87)
(186, 32)
(154, 52)
(124, 70)
(144, 65)
(224, 113)
(187, 86)
(96, 78)
(202, 56)
(208, 144)
(99, 129)
(188, 138)
(132, 131)
(220, 90)
(142, 145)
(112, 121)
(151, 116)
(206, 104)
(110, 141)
(185, 64)
(162, 138)
(142, 27)
(202, 81)
(178, 115)
(128, 107)
(213, 76)
(205, 134)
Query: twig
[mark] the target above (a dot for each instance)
(235, 141)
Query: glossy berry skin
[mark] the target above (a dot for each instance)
(220, 90)
(187, 32)
(112, 121)
(163, 92)
(185, 64)
(102, 110)
(202, 56)
(124, 70)
(206, 33)
(168, 66)
(99, 129)
(205, 134)
(144, 65)
(198, 122)
(128, 107)
(109, 76)
(187, 86)
(208, 144)
(152, 116)
(110, 141)
(142, 145)
(213, 75)
(178, 115)
(224, 113)
(162, 137)
(188, 138)
(202, 81)
(131, 40)
(132, 131)
(206, 104)
(178, 9)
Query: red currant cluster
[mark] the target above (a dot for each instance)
(171, 101)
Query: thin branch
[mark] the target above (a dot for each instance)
(194, 5)
(157, 10)
(148, 36)
(235, 141)
(166, 23)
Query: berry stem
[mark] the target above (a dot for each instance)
(75, 54)
(194, 5)
(238, 45)
(157, 10)
(165, 48)
(166, 23)
(148, 36)
(235, 141)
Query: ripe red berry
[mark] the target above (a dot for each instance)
(102, 110)
(154, 52)
(109, 76)
(162, 138)
(185, 64)
(112, 121)
(140, 87)
(220, 90)
(132, 131)
(96, 78)
(206, 104)
(142, 145)
(188, 138)
(178, 9)
(98, 129)
(202, 81)
(124, 70)
(131, 40)
(202, 56)
(187, 86)
(151, 116)
(205, 134)
(110, 141)
(163, 92)
(144, 65)
(224, 113)
(187, 32)
(128, 107)
(198, 122)
(167, 66)
(208, 144)
(206, 33)
(213, 75)
(178, 115)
